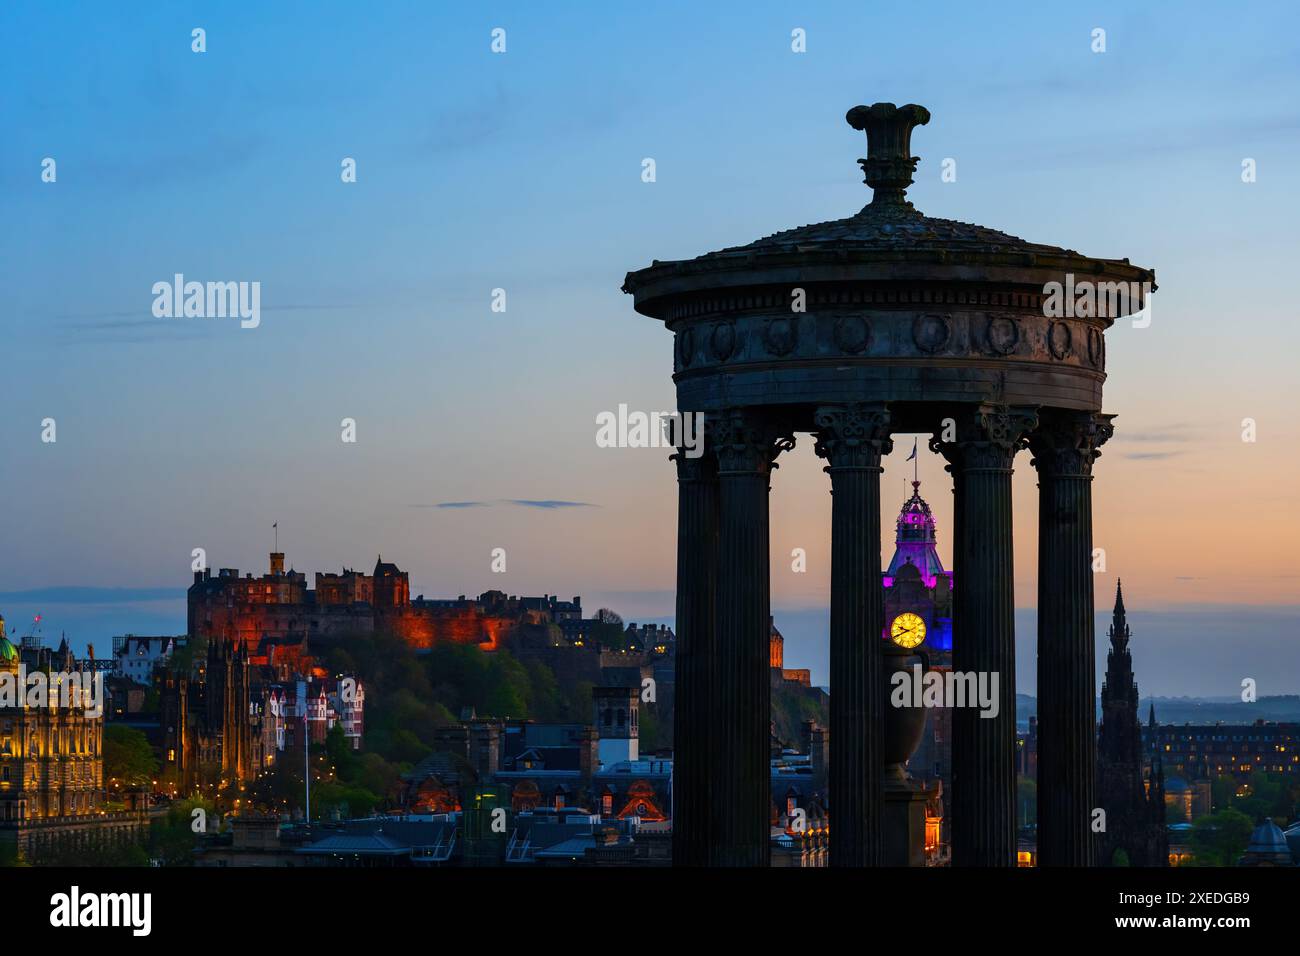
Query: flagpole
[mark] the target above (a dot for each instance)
(306, 763)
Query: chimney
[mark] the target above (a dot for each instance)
(819, 750)
(588, 752)
(485, 749)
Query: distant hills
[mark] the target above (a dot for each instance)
(1194, 710)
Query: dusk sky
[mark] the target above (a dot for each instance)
(522, 171)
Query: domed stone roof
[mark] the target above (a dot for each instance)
(888, 228)
(889, 305)
(889, 231)
(1268, 846)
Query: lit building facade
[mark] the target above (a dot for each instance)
(52, 794)
(1193, 750)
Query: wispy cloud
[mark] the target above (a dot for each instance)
(526, 503)
(1175, 433)
(1152, 455)
(546, 503)
(73, 594)
(482, 123)
(1176, 436)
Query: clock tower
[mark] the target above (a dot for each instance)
(917, 588)
(918, 615)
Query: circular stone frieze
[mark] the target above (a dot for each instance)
(1059, 340)
(1096, 347)
(1002, 334)
(686, 346)
(852, 334)
(931, 332)
(723, 341)
(780, 336)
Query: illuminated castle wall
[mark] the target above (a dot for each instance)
(279, 608)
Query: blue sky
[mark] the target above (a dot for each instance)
(522, 171)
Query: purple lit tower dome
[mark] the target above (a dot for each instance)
(915, 541)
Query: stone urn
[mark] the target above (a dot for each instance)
(903, 725)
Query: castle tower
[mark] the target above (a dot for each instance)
(392, 586)
(775, 647)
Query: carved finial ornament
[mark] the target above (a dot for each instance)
(889, 163)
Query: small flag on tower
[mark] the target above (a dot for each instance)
(913, 455)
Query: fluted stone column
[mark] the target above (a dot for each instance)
(1065, 447)
(746, 445)
(695, 714)
(852, 438)
(980, 457)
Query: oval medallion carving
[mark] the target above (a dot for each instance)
(1060, 340)
(780, 335)
(686, 346)
(931, 332)
(1096, 347)
(852, 333)
(723, 341)
(1002, 334)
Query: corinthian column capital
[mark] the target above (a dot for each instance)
(1066, 444)
(695, 467)
(745, 441)
(854, 435)
(986, 437)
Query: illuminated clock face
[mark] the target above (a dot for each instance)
(908, 630)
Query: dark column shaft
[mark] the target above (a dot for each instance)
(983, 757)
(852, 439)
(983, 748)
(695, 715)
(746, 446)
(740, 756)
(1064, 450)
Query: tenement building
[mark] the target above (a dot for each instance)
(886, 322)
(1204, 751)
